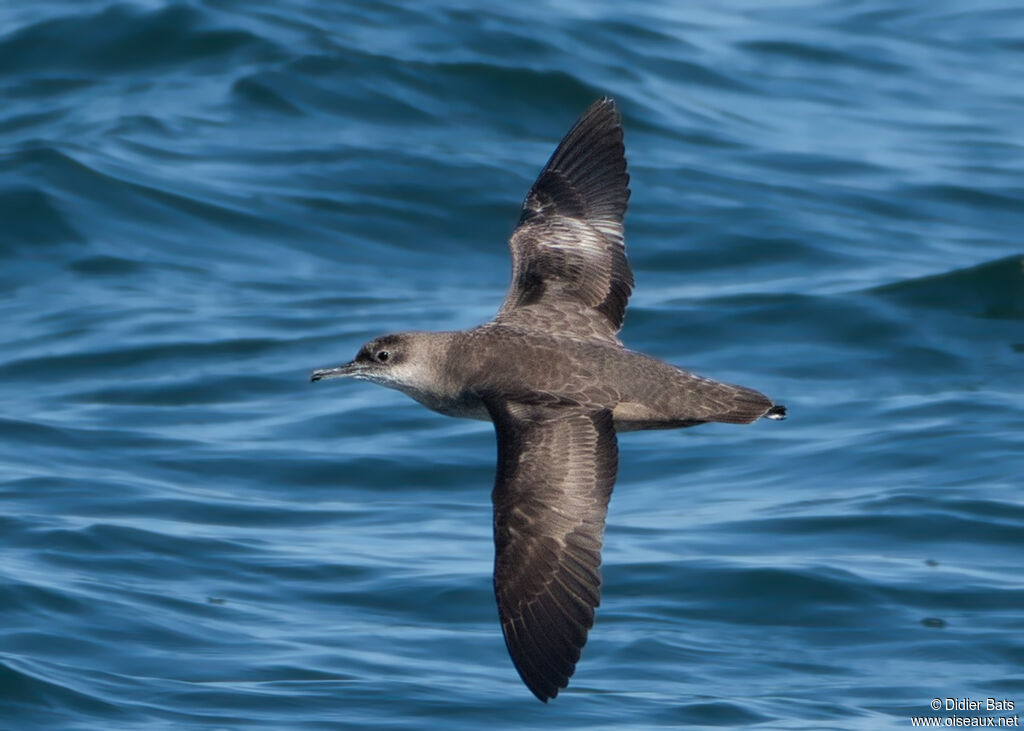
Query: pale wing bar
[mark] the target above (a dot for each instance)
(556, 469)
(569, 267)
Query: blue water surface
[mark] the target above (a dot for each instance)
(203, 200)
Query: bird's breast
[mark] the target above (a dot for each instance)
(463, 406)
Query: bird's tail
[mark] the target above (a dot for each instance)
(747, 405)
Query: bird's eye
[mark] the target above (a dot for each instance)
(383, 355)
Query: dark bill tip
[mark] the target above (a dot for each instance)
(349, 369)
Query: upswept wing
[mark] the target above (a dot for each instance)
(569, 267)
(556, 469)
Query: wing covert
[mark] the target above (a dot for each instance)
(556, 469)
(569, 267)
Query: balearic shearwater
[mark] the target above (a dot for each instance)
(551, 374)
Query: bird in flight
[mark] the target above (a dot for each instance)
(552, 376)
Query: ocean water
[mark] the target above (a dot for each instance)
(202, 201)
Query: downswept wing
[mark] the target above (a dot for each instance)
(556, 469)
(569, 267)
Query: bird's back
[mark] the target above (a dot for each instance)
(643, 392)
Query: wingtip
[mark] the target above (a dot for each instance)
(591, 161)
(604, 104)
(545, 692)
(542, 696)
(777, 413)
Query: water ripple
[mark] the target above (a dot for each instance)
(200, 204)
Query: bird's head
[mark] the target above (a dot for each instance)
(398, 360)
(381, 360)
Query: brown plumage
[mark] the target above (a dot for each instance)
(569, 268)
(551, 374)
